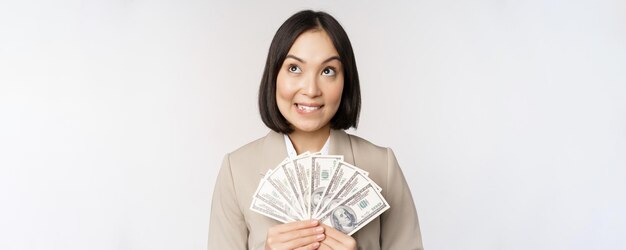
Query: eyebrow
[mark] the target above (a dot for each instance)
(325, 61)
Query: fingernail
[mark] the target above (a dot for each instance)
(313, 222)
(316, 244)
(320, 236)
(319, 229)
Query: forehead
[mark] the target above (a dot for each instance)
(314, 46)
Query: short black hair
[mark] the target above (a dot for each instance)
(348, 112)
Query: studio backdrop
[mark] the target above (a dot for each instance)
(508, 118)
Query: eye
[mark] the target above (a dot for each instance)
(294, 69)
(330, 71)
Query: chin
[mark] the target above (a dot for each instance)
(308, 128)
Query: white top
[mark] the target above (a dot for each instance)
(291, 150)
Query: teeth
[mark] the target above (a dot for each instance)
(307, 108)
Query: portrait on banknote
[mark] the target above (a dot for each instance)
(343, 219)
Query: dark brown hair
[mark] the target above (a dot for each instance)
(348, 113)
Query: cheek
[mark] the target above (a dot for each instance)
(283, 91)
(334, 94)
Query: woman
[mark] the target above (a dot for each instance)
(308, 95)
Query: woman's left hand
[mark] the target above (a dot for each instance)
(336, 240)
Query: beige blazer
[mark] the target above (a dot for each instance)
(234, 226)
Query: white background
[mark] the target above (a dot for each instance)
(507, 117)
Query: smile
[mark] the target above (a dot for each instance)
(308, 107)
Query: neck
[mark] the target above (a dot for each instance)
(309, 141)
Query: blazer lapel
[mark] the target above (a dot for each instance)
(274, 150)
(340, 145)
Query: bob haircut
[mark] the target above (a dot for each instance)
(348, 112)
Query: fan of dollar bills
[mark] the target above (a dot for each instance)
(322, 187)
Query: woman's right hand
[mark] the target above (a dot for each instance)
(300, 235)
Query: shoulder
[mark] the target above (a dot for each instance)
(364, 148)
(258, 155)
(375, 159)
(380, 162)
(247, 164)
(248, 156)
(252, 148)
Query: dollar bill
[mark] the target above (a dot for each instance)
(302, 166)
(282, 178)
(340, 175)
(323, 167)
(355, 183)
(355, 212)
(284, 185)
(259, 206)
(266, 192)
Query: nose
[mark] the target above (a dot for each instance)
(311, 86)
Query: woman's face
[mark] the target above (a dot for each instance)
(310, 82)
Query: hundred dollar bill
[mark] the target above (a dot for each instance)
(341, 174)
(302, 166)
(263, 208)
(267, 193)
(356, 211)
(356, 182)
(323, 167)
(283, 178)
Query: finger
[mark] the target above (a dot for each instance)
(332, 243)
(324, 246)
(336, 234)
(301, 233)
(314, 245)
(294, 226)
(335, 239)
(300, 242)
